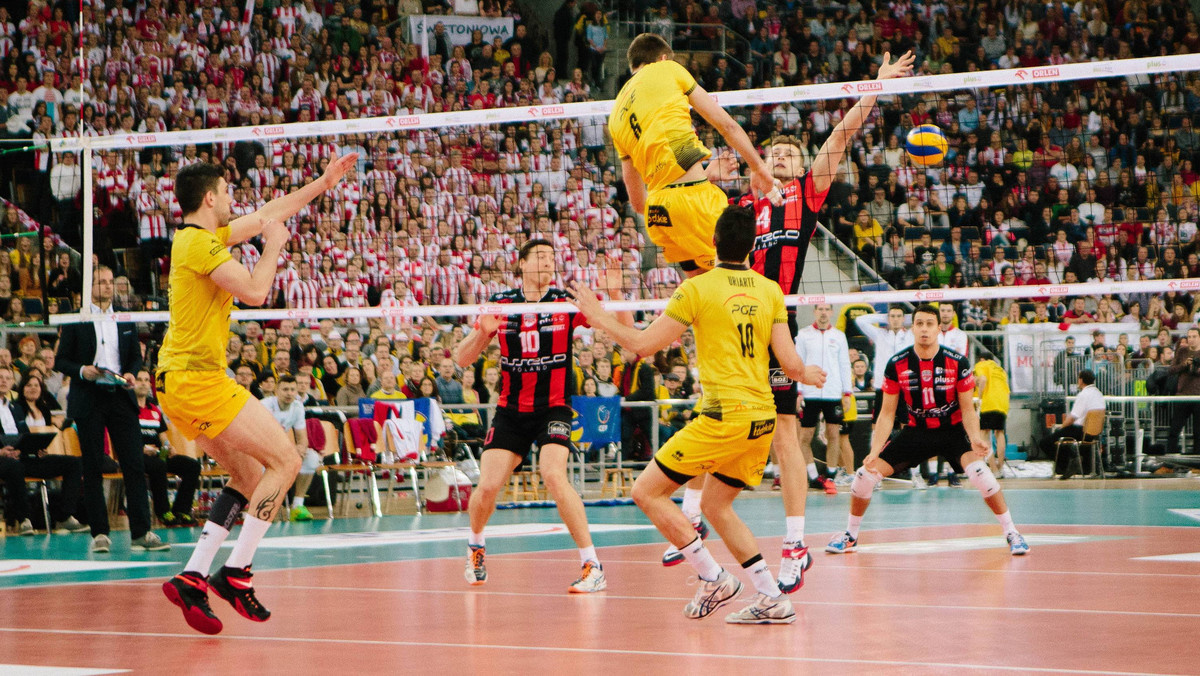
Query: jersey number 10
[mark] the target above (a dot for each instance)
(530, 341)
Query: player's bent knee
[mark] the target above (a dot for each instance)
(982, 478)
(864, 483)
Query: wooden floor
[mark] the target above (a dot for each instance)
(933, 589)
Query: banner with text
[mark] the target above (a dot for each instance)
(458, 29)
(1032, 348)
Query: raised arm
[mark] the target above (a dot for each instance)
(469, 348)
(762, 182)
(253, 288)
(660, 334)
(824, 166)
(283, 208)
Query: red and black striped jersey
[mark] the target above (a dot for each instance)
(536, 365)
(929, 387)
(783, 232)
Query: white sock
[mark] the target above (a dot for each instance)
(852, 526)
(795, 529)
(211, 539)
(760, 575)
(812, 471)
(587, 554)
(297, 502)
(691, 503)
(475, 539)
(1006, 522)
(253, 530)
(706, 566)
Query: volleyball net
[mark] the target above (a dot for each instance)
(1040, 161)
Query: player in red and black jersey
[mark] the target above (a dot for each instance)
(783, 232)
(938, 388)
(534, 408)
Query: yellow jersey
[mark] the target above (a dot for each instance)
(995, 394)
(732, 311)
(199, 323)
(651, 123)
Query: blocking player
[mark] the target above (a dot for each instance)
(783, 231)
(735, 313)
(227, 423)
(937, 386)
(991, 382)
(661, 155)
(534, 407)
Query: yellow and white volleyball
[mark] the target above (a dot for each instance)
(926, 145)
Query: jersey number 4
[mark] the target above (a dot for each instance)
(634, 126)
(746, 337)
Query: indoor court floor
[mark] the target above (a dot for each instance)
(1112, 586)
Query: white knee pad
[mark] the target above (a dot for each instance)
(982, 478)
(863, 484)
(312, 460)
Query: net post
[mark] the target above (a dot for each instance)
(89, 221)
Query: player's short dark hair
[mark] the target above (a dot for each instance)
(529, 245)
(734, 234)
(286, 378)
(895, 306)
(647, 48)
(926, 308)
(195, 181)
(1087, 377)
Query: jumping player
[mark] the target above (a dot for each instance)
(937, 386)
(735, 313)
(227, 423)
(661, 155)
(783, 232)
(534, 407)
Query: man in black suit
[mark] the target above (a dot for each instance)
(85, 352)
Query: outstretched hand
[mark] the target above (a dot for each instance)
(338, 168)
(903, 67)
(764, 184)
(585, 299)
(723, 167)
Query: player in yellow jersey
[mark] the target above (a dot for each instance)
(991, 386)
(651, 128)
(736, 314)
(227, 423)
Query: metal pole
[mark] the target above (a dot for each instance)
(89, 221)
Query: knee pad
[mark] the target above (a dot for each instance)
(981, 477)
(312, 460)
(864, 483)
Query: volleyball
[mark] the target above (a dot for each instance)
(926, 145)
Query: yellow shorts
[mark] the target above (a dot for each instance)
(681, 218)
(734, 450)
(200, 402)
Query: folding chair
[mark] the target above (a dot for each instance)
(353, 464)
(1093, 427)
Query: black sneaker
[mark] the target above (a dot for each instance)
(233, 585)
(185, 520)
(952, 480)
(189, 591)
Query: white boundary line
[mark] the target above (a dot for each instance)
(571, 650)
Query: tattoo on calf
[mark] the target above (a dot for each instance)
(266, 507)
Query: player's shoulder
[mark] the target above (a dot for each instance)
(507, 296)
(953, 354)
(901, 356)
(556, 295)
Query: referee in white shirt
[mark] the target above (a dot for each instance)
(1089, 398)
(888, 341)
(822, 345)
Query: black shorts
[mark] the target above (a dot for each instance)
(519, 432)
(992, 420)
(830, 409)
(783, 388)
(913, 445)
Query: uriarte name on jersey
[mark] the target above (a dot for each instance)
(533, 363)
